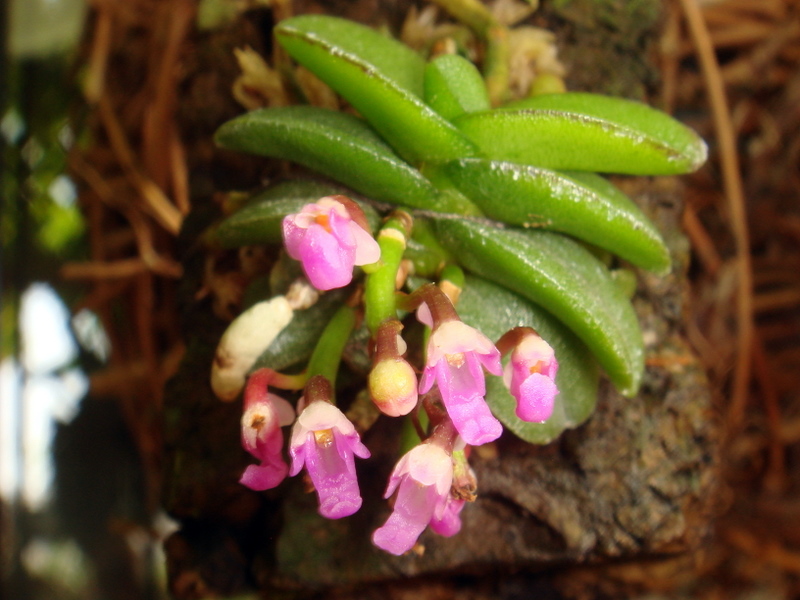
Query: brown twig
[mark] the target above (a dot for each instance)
(735, 195)
(701, 241)
(154, 200)
(99, 270)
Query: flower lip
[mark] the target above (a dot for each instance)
(422, 478)
(326, 443)
(530, 377)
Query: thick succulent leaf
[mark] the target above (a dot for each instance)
(583, 205)
(259, 221)
(494, 310)
(377, 76)
(454, 86)
(397, 63)
(298, 188)
(564, 278)
(339, 145)
(586, 132)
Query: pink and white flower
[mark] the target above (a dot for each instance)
(329, 241)
(424, 476)
(456, 353)
(264, 415)
(326, 443)
(530, 376)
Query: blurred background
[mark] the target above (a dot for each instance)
(95, 187)
(76, 521)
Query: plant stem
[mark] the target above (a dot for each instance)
(328, 353)
(379, 294)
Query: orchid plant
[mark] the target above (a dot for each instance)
(439, 183)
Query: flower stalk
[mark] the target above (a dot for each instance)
(381, 284)
(328, 352)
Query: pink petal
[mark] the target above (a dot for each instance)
(413, 510)
(428, 379)
(449, 523)
(367, 249)
(424, 315)
(293, 236)
(462, 391)
(265, 441)
(326, 263)
(341, 229)
(491, 361)
(429, 464)
(265, 476)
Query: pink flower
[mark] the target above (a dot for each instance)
(326, 442)
(530, 376)
(263, 417)
(456, 352)
(424, 476)
(329, 242)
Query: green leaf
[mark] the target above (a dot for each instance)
(259, 221)
(397, 63)
(298, 188)
(454, 86)
(381, 77)
(494, 310)
(586, 132)
(336, 144)
(564, 278)
(583, 205)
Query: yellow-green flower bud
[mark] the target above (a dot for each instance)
(393, 386)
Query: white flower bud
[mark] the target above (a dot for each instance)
(245, 339)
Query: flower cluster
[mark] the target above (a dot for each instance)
(432, 481)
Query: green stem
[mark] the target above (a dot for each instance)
(328, 353)
(439, 304)
(269, 377)
(453, 274)
(380, 286)
(495, 69)
(477, 17)
(472, 13)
